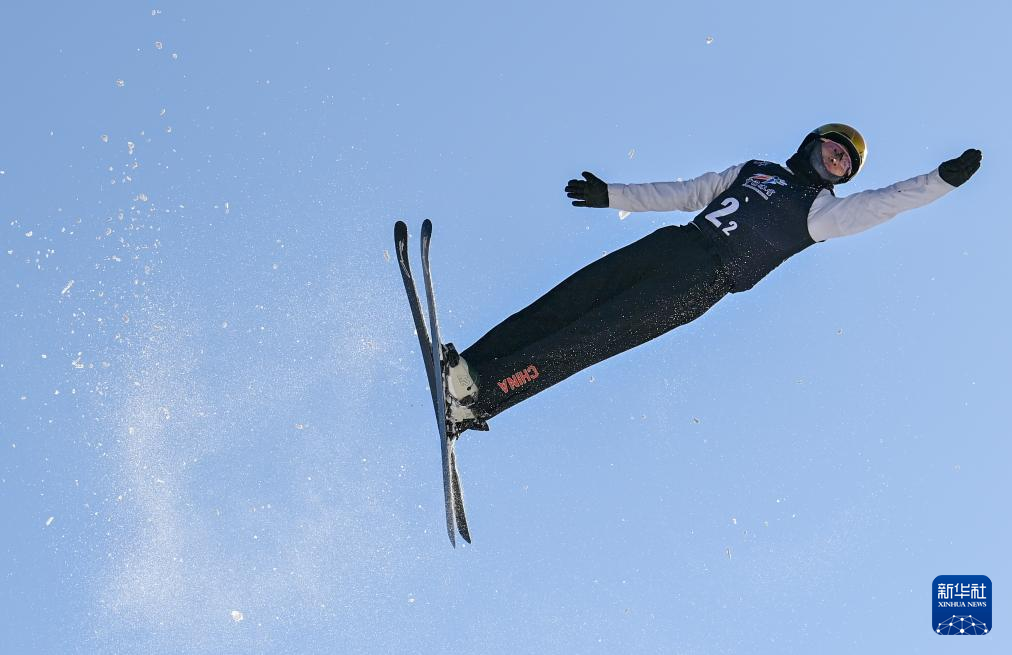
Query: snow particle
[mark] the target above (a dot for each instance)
(105, 138)
(236, 615)
(120, 83)
(709, 40)
(158, 45)
(49, 521)
(67, 288)
(632, 153)
(622, 215)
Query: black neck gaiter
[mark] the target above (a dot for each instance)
(800, 164)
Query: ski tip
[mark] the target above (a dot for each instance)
(400, 229)
(426, 228)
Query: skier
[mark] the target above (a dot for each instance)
(754, 216)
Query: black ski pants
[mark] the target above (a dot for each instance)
(622, 300)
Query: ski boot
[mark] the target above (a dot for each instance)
(461, 392)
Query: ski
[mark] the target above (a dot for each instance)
(453, 498)
(451, 476)
(458, 496)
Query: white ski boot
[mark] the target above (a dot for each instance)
(461, 392)
(460, 380)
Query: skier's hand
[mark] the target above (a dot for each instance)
(589, 192)
(959, 170)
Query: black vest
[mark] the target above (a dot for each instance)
(759, 221)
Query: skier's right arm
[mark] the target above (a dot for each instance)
(690, 195)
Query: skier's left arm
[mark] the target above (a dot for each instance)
(832, 217)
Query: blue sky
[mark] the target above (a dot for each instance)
(216, 435)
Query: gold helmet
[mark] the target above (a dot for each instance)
(847, 137)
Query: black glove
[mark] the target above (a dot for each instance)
(959, 170)
(592, 193)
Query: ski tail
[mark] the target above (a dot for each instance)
(458, 498)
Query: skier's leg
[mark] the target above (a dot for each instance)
(690, 282)
(575, 296)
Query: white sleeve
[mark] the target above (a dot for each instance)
(832, 217)
(690, 195)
